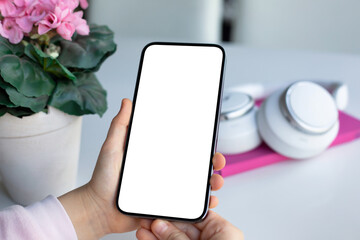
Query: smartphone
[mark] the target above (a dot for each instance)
(171, 139)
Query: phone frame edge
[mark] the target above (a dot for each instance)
(214, 141)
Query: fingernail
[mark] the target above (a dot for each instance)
(160, 227)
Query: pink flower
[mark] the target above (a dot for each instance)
(20, 16)
(68, 4)
(81, 27)
(11, 31)
(33, 12)
(36, 13)
(23, 3)
(48, 5)
(7, 8)
(80, 24)
(52, 20)
(84, 4)
(66, 30)
(24, 23)
(49, 22)
(65, 22)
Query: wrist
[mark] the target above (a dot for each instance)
(85, 214)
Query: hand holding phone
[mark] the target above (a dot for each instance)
(92, 208)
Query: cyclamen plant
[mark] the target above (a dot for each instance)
(48, 56)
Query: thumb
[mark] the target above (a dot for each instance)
(118, 128)
(164, 230)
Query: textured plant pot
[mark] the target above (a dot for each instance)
(39, 154)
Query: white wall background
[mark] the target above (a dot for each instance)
(321, 25)
(179, 20)
(325, 25)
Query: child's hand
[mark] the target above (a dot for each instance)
(92, 207)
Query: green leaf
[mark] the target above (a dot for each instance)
(26, 76)
(36, 104)
(4, 99)
(12, 49)
(2, 110)
(86, 96)
(20, 112)
(87, 53)
(17, 112)
(48, 63)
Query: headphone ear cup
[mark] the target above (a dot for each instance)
(239, 135)
(282, 136)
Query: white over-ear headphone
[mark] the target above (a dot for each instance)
(299, 121)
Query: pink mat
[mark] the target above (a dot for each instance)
(263, 155)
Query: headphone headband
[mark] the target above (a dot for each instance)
(337, 89)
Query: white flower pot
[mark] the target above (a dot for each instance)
(39, 154)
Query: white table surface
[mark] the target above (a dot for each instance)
(309, 199)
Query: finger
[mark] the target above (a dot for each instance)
(216, 182)
(216, 227)
(214, 201)
(219, 161)
(119, 124)
(145, 234)
(146, 223)
(211, 217)
(164, 230)
(189, 229)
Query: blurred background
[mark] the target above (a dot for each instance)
(294, 200)
(315, 25)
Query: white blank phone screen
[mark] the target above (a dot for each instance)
(169, 149)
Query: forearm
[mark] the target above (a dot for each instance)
(88, 220)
